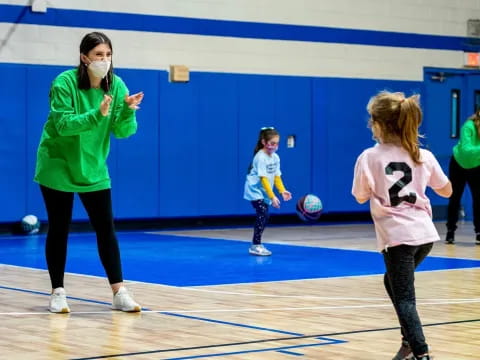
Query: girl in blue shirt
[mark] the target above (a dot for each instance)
(264, 173)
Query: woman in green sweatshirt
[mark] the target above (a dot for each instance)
(87, 104)
(465, 169)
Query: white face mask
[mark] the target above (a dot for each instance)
(100, 68)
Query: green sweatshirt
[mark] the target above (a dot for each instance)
(467, 150)
(73, 150)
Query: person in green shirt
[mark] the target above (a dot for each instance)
(464, 169)
(87, 104)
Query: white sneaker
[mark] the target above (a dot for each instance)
(124, 302)
(259, 250)
(58, 301)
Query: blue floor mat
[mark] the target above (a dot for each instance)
(191, 261)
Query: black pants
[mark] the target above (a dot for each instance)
(98, 205)
(261, 219)
(401, 262)
(459, 178)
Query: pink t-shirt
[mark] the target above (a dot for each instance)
(401, 211)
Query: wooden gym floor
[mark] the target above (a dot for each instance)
(319, 296)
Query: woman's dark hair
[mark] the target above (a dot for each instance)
(90, 41)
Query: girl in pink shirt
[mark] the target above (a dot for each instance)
(394, 175)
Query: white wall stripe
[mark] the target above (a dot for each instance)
(33, 44)
(439, 17)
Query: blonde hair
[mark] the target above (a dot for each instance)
(398, 119)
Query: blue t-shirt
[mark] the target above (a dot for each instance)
(263, 165)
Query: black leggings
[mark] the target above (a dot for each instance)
(401, 262)
(98, 205)
(459, 178)
(261, 219)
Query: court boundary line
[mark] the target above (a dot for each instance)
(217, 311)
(270, 340)
(282, 349)
(200, 287)
(171, 312)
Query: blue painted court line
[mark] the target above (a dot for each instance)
(194, 261)
(161, 312)
(332, 341)
(326, 341)
(323, 336)
(281, 349)
(48, 294)
(289, 353)
(232, 324)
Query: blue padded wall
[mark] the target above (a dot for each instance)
(256, 109)
(341, 133)
(133, 162)
(217, 144)
(195, 140)
(13, 145)
(178, 165)
(36, 105)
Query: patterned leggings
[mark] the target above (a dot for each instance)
(401, 262)
(261, 219)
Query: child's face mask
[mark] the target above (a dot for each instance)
(272, 145)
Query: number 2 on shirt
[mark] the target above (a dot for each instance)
(395, 189)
